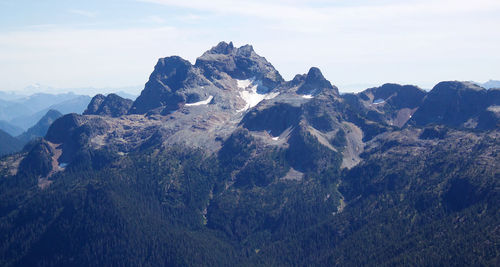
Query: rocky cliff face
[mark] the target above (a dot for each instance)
(110, 105)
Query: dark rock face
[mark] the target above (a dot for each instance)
(73, 133)
(61, 128)
(275, 119)
(111, 105)
(38, 162)
(170, 74)
(493, 96)
(313, 83)
(94, 105)
(452, 104)
(41, 128)
(239, 63)
(302, 142)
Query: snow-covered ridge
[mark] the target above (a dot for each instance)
(248, 92)
(204, 102)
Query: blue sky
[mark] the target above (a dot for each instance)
(357, 43)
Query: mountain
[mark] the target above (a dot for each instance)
(26, 111)
(390, 104)
(87, 91)
(41, 127)
(110, 105)
(10, 129)
(9, 96)
(490, 84)
(9, 144)
(176, 81)
(224, 163)
(458, 104)
(313, 82)
(74, 105)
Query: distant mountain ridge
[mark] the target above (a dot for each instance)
(26, 111)
(41, 127)
(490, 84)
(9, 144)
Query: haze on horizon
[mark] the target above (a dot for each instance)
(356, 44)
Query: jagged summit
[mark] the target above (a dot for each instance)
(314, 82)
(221, 48)
(239, 63)
(169, 75)
(175, 81)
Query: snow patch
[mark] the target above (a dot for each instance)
(275, 138)
(248, 92)
(495, 109)
(307, 96)
(378, 101)
(243, 84)
(62, 165)
(204, 102)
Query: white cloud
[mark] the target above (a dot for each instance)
(361, 42)
(68, 57)
(334, 10)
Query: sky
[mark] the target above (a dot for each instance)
(356, 43)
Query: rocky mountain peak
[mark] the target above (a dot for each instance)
(314, 83)
(161, 91)
(239, 63)
(60, 129)
(111, 105)
(455, 86)
(222, 48)
(453, 103)
(94, 104)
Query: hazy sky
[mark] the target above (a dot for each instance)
(356, 43)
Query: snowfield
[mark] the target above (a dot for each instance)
(248, 92)
(204, 102)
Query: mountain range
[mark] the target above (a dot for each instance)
(223, 162)
(17, 115)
